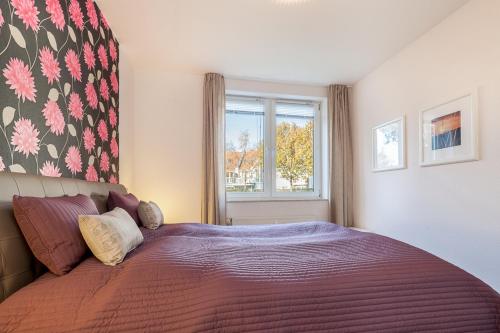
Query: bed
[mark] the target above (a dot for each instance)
(304, 277)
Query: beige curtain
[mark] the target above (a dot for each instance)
(341, 160)
(213, 206)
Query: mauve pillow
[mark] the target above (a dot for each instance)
(128, 202)
(50, 227)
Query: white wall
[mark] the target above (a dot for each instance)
(275, 212)
(161, 143)
(167, 134)
(452, 211)
(266, 87)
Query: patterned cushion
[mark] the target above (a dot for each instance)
(128, 202)
(150, 215)
(50, 227)
(110, 236)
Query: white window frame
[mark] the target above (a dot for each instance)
(270, 193)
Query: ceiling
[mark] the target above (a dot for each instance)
(296, 41)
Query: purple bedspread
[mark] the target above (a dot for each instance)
(307, 277)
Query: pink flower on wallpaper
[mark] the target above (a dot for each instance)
(88, 55)
(75, 12)
(20, 79)
(102, 130)
(2, 21)
(114, 82)
(103, 57)
(73, 65)
(27, 12)
(56, 13)
(50, 66)
(30, 79)
(104, 89)
(92, 13)
(75, 106)
(113, 179)
(25, 137)
(112, 50)
(54, 117)
(114, 148)
(91, 95)
(73, 160)
(50, 170)
(104, 165)
(113, 119)
(88, 140)
(104, 21)
(91, 174)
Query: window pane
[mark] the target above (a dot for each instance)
(294, 147)
(244, 145)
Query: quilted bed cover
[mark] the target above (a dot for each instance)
(306, 277)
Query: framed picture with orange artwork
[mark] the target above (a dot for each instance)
(449, 132)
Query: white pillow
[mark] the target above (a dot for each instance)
(110, 236)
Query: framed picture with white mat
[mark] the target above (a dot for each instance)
(388, 146)
(449, 132)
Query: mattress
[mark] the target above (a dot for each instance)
(305, 277)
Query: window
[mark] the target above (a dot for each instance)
(244, 146)
(272, 148)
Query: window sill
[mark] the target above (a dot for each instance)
(239, 200)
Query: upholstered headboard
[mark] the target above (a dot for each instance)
(18, 267)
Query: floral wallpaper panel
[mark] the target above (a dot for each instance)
(59, 87)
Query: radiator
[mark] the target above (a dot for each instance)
(246, 220)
